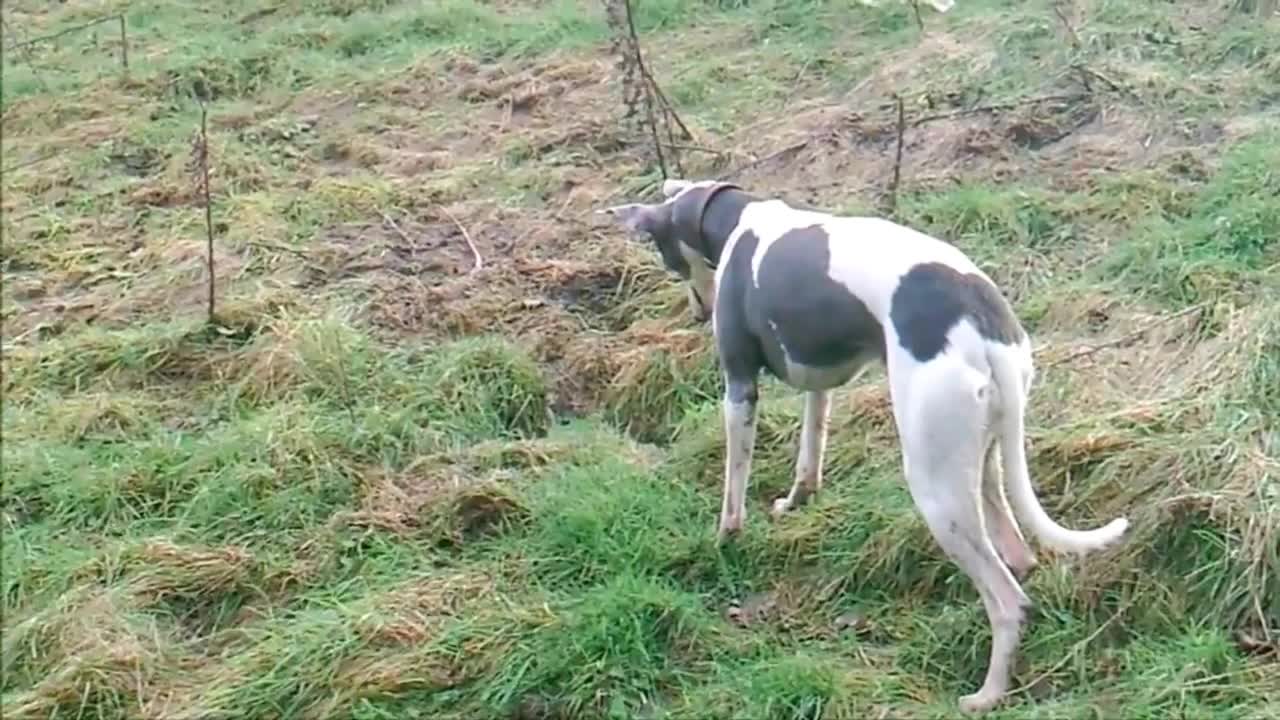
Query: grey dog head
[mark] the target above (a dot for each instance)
(675, 226)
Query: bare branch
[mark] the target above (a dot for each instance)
(26, 53)
(395, 227)
(49, 155)
(475, 252)
(1125, 339)
(1088, 72)
(995, 107)
(897, 158)
(200, 153)
(639, 86)
(797, 147)
(64, 31)
(25, 45)
(1072, 36)
(124, 47)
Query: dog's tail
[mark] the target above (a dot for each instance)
(1012, 388)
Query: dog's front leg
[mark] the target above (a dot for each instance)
(740, 436)
(813, 443)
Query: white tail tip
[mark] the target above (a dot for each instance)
(1104, 536)
(1115, 529)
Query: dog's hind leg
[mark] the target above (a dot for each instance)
(1003, 527)
(813, 443)
(941, 409)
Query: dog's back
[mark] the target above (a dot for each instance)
(824, 293)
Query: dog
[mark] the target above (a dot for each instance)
(815, 299)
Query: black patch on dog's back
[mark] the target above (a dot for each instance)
(932, 298)
(819, 322)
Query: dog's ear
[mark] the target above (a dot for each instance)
(671, 186)
(636, 217)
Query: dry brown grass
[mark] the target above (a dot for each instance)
(95, 645)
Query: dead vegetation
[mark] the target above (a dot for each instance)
(567, 286)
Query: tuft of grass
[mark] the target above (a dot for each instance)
(1223, 241)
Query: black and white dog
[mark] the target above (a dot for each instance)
(815, 298)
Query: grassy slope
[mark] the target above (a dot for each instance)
(327, 507)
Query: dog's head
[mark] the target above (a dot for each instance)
(675, 226)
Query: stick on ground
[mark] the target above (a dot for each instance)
(202, 156)
(475, 252)
(897, 158)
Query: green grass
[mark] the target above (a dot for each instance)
(382, 487)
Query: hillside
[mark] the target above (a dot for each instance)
(452, 448)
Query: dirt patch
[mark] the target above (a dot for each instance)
(572, 290)
(134, 160)
(826, 153)
(550, 279)
(1048, 123)
(559, 103)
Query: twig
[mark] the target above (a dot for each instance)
(466, 236)
(760, 161)
(124, 47)
(280, 248)
(258, 15)
(27, 163)
(657, 107)
(1074, 649)
(647, 76)
(795, 81)
(667, 108)
(64, 31)
(996, 107)
(25, 45)
(26, 54)
(392, 224)
(1127, 338)
(915, 8)
(1072, 37)
(649, 88)
(1087, 72)
(677, 158)
(695, 148)
(897, 158)
(203, 159)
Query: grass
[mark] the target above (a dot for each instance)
(382, 486)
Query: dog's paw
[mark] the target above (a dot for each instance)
(979, 702)
(780, 507)
(1025, 570)
(727, 529)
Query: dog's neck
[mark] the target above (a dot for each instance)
(719, 219)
